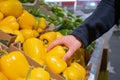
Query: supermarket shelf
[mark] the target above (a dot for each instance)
(95, 60)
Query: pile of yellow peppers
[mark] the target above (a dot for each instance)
(15, 66)
(14, 19)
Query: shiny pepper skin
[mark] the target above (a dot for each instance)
(80, 68)
(11, 8)
(40, 24)
(20, 37)
(34, 48)
(1, 16)
(48, 37)
(55, 64)
(58, 51)
(26, 20)
(35, 33)
(53, 59)
(14, 65)
(74, 72)
(24, 79)
(6, 29)
(27, 33)
(11, 22)
(21, 78)
(36, 73)
(39, 74)
(2, 0)
(58, 34)
(2, 76)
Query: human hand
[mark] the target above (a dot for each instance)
(70, 42)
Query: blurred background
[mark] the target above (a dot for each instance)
(74, 6)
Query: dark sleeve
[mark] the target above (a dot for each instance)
(102, 19)
(117, 12)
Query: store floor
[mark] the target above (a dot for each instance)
(114, 57)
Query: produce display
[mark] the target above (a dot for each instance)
(32, 33)
(63, 20)
(14, 66)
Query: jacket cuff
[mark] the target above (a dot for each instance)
(80, 38)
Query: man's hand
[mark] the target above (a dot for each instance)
(71, 42)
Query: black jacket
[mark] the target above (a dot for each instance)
(102, 19)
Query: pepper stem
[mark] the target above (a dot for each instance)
(45, 41)
(44, 67)
(29, 72)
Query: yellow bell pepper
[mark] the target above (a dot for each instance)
(48, 37)
(21, 78)
(55, 64)
(24, 79)
(39, 30)
(54, 60)
(6, 29)
(40, 24)
(1, 16)
(2, 0)
(34, 48)
(14, 65)
(26, 20)
(58, 34)
(72, 73)
(80, 68)
(20, 37)
(2, 76)
(27, 33)
(58, 51)
(39, 74)
(11, 22)
(11, 8)
(35, 33)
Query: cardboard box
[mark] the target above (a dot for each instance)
(2, 46)
(6, 38)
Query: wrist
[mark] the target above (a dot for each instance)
(81, 42)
